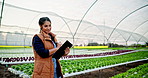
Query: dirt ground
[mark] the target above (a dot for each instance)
(4, 73)
(105, 73)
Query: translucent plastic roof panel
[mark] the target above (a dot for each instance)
(102, 21)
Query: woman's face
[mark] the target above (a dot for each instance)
(46, 27)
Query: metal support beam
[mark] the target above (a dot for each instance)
(2, 12)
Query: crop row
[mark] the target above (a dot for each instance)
(18, 59)
(25, 68)
(72, 66)
(98, 54)
(138, 72)
(10, 60)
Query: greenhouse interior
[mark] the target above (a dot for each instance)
(109, 37)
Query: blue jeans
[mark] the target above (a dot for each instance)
(55, 66)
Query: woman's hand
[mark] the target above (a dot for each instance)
(67, 50)
(59, 45)
(53, 50)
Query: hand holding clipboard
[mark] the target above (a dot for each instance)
(60, 52)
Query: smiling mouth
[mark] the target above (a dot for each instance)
(47, 30)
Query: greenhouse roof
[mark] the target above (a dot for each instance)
(102, 21)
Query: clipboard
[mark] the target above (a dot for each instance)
(60, 52)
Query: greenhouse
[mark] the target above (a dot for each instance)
(105, 34)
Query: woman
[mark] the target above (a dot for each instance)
(44, 46)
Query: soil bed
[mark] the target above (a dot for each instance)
(109, 72)
(4, 73)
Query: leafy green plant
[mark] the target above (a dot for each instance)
(138, 72)
(72, 66)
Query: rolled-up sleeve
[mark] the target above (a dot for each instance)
(39, 47)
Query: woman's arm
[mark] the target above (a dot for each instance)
(39, 48)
